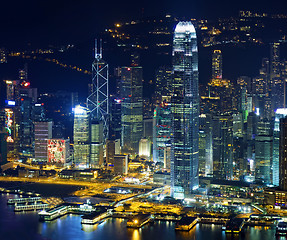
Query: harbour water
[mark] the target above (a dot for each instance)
(26, 226)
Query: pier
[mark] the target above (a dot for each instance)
(23, 200)
(139, 220)
(31, 207)
(234, 225)
(186, 223)
(95, 217)
(79, 209)
(262, 220)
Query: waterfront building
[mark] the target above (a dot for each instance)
(81, 136)
(184, 111)
(43, 132)
(131, 108)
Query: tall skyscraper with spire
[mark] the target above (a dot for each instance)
(98, 100)
(184, 111)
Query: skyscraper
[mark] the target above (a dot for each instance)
(43, 132)
(132, 108)
(263, 152)
(283, 154)
(162, 81)
(184, 111)
(280, 113)
(98, 100)
(81, 136)
(161, 131)
(216, 64)
(222, 146)
(275, 76)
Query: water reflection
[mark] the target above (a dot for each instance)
(136, 235)
(27, 226)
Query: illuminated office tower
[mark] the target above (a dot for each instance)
(275, 77)
(115, 121)
(274, 61)
(98, 100)
(184, 111)
(283, 154)
(216, 64)
(263, 152)
(280, 113)
(81, 137)
(144, 148)
(161, 131)
(96, 154)
(163, 79)
(205, 145)
(26, 128)
(132, 108)
(222, 129)
(110, 153)
(43, 132)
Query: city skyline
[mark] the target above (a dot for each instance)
(170, 114)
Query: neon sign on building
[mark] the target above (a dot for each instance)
(9, 124)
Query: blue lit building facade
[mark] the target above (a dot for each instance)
(184, 111)
(280, 113)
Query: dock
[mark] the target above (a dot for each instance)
(186, 223)
(262, 220)
(95, 217)
(16, 201)
(139, 220)
(80, 209)
(234, 225)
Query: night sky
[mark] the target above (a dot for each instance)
(41, 23)
(47, 21)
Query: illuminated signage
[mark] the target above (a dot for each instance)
(10, 103)
(9, 114)
(57, 151)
